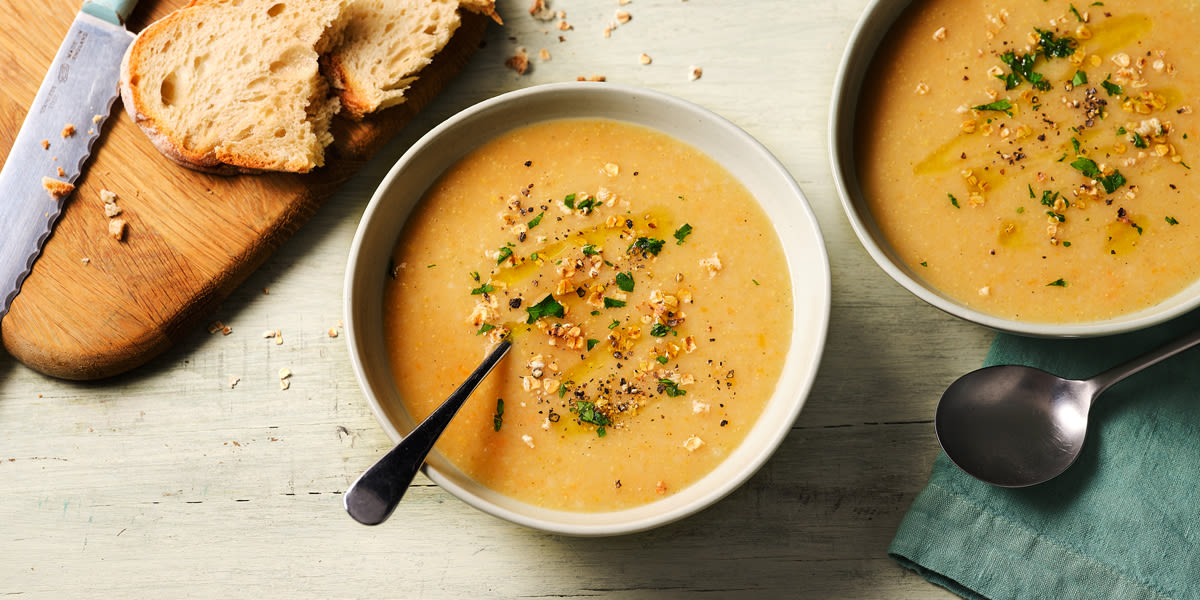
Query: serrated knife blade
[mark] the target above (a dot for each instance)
(77, 93)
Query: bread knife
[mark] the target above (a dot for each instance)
(58, 132)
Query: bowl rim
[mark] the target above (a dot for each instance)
(642, 518)
(874, 24)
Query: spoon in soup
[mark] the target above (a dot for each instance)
(375, 494)
(1017, 426)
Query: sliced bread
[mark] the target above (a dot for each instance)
(234, 85)
(387, 43)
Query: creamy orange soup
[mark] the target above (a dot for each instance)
(1034, 159)
(646, 293)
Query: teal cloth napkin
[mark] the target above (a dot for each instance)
(1123, 522)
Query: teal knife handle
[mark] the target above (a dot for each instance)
(113, 11)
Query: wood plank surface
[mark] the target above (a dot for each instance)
(192, 237)
(166, 481)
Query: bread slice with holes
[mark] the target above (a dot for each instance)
(234, 85)
(387, 43)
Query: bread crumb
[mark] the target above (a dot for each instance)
(108, 197)
(519, 62)
(564, 26)
(215, 326)
(660, 487)
(528, 439)
(85, 260)
(940, 34)
(693, 443)
(97, 118)
(544, 54)
(591, 78)
(623, 16)
(278, 338)
(540, 10)
(68, 130)
(284, 384)
(117, 228)
(45, 144)
(644, 58)
(623, 2)
(270, 333)
(58, 189)
(111, 210)
(233, 381)
(61, 172)
(695, 73)
(285, 373)
(699, 407)
(333, 332)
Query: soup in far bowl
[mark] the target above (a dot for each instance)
(1032, 161)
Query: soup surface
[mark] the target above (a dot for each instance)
(1033, 159)
(644, 289)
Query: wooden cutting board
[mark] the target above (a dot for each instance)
(192, 237)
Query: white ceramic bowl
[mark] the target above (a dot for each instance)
(795, 224)
(876, 21)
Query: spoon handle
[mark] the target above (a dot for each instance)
(1118, 373)
(375, 494)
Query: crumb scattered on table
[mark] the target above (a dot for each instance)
(58, 189)
(68, 130)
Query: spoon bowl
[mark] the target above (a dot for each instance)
(1013, 426)
(1016, 426)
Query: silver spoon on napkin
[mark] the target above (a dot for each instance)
(1016, 426)
(374, 495)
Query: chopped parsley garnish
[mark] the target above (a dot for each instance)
(953, 200)
(647, 245)
(548, 307)
(505, 253)
(588, 413)
(615, 324)
(924, 263)
(486, 288)
(1057, 283)
(1076, 13)
(1079, 79)
(611, 303)
(659, 330)
(670, 388)
(1005, 106)
(1172, 221)
(537, 220)
(1075, 145)
(1139, 141)
(1055, 47)
(590, 250)
(569, 201)
(1031, 191)
(586, 205)
(486, 327)
(562, 388)
(592, 344)
(1088, 167)
(682, 233)
(1050, 198)
(1112, 88)
(625, 282)
(498, 419)
(1058, 216)
(662, 360)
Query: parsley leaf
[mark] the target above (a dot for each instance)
(498, 419)
(486, 327)
(1112, 88)
(1057, 283)
(537, 220)
(1172, 221)
(953, 200)
(1079, 79)
(671, 388)
(592, 344)
(569, 201)
(647, 245)
(505, 254)
(682, 233)
(548, 307)
(1005, 106)
(625, 282)
(611, 303)
(486, 288)
(659, 330)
